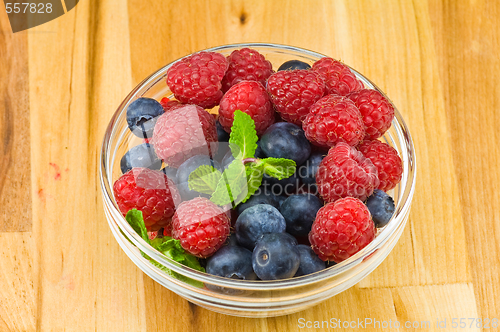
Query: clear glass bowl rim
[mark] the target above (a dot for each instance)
(403, 204)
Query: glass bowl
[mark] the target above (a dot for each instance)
(239, 297)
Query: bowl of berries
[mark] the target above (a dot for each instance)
(257, 179)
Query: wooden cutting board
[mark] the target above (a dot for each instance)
(60, 267)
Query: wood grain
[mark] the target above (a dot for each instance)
(438, 61)
(15, 166)
(467, 45)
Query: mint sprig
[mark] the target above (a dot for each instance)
(168, 246)
(241, 179)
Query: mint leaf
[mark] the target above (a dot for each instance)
(232, 186)
(243, 135)
(279, 168)
(134, 218)
(172, 249)
(254, 172)
(204, 179)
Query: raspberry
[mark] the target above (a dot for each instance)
(346, 172)
(294, 92)
(148, 191)
(376, 110)
(341, 229)
(249, 97)
(386, 160)
(246, 65)
(197, 78)
(184, 132)
(339, 79)
(201, 226)
(334, 119)
(169, 105)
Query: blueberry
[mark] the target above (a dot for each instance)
(231, 240)
(171, 173)
(186, 168)
(294, 64)
(231, 262)
(228, 158)
(286, 140)
(275, 256)
(257, 220)
(381, 207)
(299, 212)
(222, 135)
(142, 155)
(260, 197)
(309, 261)
(280, 199)
(258, 152)
(277, 187)
(307, 171)
(141, 116)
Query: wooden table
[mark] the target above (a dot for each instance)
(60, 267)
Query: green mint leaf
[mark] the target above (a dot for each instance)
(243, 136)
(134, 218)
(204, 179)
(172, 249)
(254, 172)
(279, 168)
(232, 186)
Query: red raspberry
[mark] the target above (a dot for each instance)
(148, 191)
(376, 110)
(293, 92)
(197, 78)
(246, 65)
(201, 226)
(341, 229)
(339, 79)
(184, 132)
(386, 160)
(345, 172)
(169, 105)
(334, 119)
(249, 97)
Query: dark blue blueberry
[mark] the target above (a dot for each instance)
(286, 140)
(260, 197)
(231, 240)
(275, 256)
(307, 171)
(257, 220)
(280, 199)
(141, 116)
(142, 155)
(231, 262)
(381, 207)
(222, 135)
(277, 187)
(294, 64)
(258, 152)
(185, 169)
(228, 158)
(309, 261)
(299, 212)
(171, 173)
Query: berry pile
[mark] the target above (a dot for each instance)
(288, 179)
